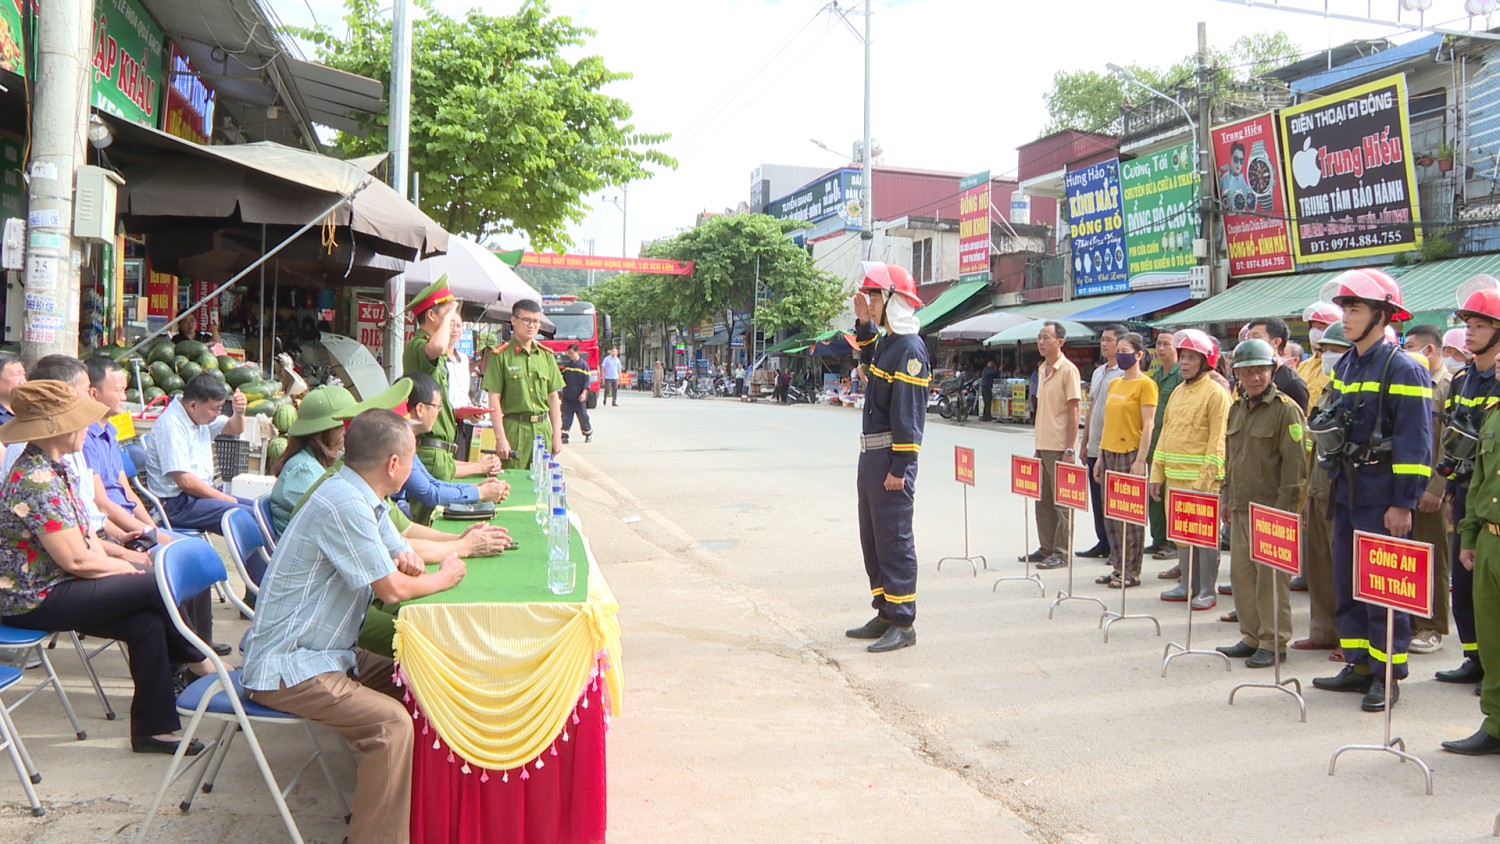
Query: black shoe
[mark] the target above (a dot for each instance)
(1238, 650)
(1472, 671)
(1096, 552)
(1375, 698)
(1262, 658)
(895, 639)
(1479, 744)
(222, 649)
(1298, 584)
(872, 629)
(589, 437)
(1347, 680)
(147, 744)
(1034, 557)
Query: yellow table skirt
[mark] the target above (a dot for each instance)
(499, 680)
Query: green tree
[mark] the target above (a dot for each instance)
(507, 134)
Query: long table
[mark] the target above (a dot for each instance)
(511, 689)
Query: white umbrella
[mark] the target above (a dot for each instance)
(980, 327)
(474, 273)
(354, 365)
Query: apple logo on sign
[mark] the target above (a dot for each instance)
(1305, 166)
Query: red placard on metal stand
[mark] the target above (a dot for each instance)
(963, 472)
(1192, 519)
(1276, 543)
(1125, 502)
(1395, 574)
(1025, 482)
(1071, 490)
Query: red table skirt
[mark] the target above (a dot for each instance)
(560, 800)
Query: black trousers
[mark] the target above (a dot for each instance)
(129, 608)
(986, 396)
(885, 537)
(581, 410)
(1096, 503)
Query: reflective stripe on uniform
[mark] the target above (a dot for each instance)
(1415, 390)
(920, 382)
(900, 599)
(1355, 643)
(877, 592)
(1397, 659)
(1411, 469)
(910, 448)
(1470, 647)
(879, 373)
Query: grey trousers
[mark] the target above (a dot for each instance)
(1205, 570)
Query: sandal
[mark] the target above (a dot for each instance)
(1112, 578)
(1130, 580)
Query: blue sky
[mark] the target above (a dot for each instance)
(744, 82)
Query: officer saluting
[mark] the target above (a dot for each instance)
(895, 411)
(1376, 442)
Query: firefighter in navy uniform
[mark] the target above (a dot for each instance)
(1473, 392)
(1376, 443)
(575, 395)
(895, 410)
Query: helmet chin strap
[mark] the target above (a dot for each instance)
(1375, 323)
(1494, 338)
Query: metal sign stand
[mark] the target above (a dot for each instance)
(1280, 685)
(967, 557)
(1067, 595)
(1031, 576)
(1110, 617)
(1396, 747)
(1185, 650)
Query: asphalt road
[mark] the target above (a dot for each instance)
(728, 533)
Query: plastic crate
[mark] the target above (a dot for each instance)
(231, 457)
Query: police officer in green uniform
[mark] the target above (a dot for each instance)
(1479, 539)
(524, 382)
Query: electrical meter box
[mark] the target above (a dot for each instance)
(94, 204)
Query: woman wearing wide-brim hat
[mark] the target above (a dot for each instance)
(314, 442)
(55, 576)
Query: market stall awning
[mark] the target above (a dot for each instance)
(1061, 309)
(796, 341)
(949, 302)
(1026, 333)
(721, 337)
(1136, 304)
(1433, 286)
(1281, 296)
(977, 328)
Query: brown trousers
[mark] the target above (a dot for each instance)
(1433, 528)
(369, 715)
(1317, 568)
(1054, 523)
(1260, 592)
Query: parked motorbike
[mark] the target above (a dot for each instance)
(959, 399)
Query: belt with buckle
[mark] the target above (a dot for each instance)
(441, 445)
(537, 417)
(1492, 528)
(870, 442)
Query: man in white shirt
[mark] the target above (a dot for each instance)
(180, 454)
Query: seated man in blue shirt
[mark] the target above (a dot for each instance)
(101, 451)
(423, 406)
(180, 455)
(338, 552)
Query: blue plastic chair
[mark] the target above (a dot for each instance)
(184, 568)
(247, 547)
(21, 639)
(263, 519)
(10, 740)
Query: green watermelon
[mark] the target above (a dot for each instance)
(161, 371)
(275, 447)
(191, 348)
(162, 352)
(284, 416)
(144, 381)
(217, 373)
(111, 352)
(227, 362)
(153, 393)
(172, 383)
(178, 361)
(207, 360)
(188, 371)
(269, 390)
(239, 376)
(133, 395)
(260, 407)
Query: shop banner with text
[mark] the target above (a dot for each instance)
(1161, 216)
(190, 104)
(1072, 486)
(1125, 497)
(974, 227)
(1026, 476)
(1193, 518)
(1353, 192)
(128, 50)
(1275, 538)
(369, 321)
(161, 298)
(963, 465)
(12, 53)
(1097, 228)
(659, 266)
(1252, 197)
(1394, 573)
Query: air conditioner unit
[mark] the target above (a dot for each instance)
(1198, 282)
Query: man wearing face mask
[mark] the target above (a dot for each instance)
(895, 412)
(1318, 316)
(1473, 392)
(1431, 525)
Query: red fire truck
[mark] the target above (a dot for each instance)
(577, 322)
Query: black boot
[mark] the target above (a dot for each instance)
(1479, 744)
(895, 639)
(1348, 680)
(872, 629)
(1470, 672)
(1375, 698)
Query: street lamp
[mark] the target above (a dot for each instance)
(623, 203)
(1128, 76)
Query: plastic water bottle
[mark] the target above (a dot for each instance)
(562, 574)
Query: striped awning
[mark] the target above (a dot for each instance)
(1282, 296)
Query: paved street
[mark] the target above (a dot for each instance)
(726, 532)
(746, 702)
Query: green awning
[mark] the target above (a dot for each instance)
(1433, 286)
(948, 303)
(1282, 296)
(796, 341)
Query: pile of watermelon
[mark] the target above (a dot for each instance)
(167, 366)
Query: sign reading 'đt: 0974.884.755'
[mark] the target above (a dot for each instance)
(1352, 189)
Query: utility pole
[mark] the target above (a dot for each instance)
(591, 269)
(64, 33)
(867, 192)
(624, 221)
(398, 140)
(1205, 164)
